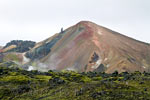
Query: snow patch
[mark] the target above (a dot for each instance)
(30, 68)
(98, 62)
(99, 32)
(25, 59)
(144, 67)
(105, 59)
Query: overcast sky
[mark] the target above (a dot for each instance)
(39, 19)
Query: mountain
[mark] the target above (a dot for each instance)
(12, 54)
(87, 46)
(18, 46)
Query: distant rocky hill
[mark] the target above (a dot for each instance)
(12, 54)
(18, 46)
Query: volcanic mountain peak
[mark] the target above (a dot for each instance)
(95, 31)
(85, 22)
(87, 46)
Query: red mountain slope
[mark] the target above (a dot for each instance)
(89, 47)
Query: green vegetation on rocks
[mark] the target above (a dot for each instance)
(18, 84)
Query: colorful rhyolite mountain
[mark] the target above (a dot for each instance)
(89, 47)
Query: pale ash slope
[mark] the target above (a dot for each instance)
(89, 47)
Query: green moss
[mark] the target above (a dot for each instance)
(11, 57)
(13, 73)
(43, 77)
(85, 79)
(97, 78)
(15, 79)
(17, 84)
